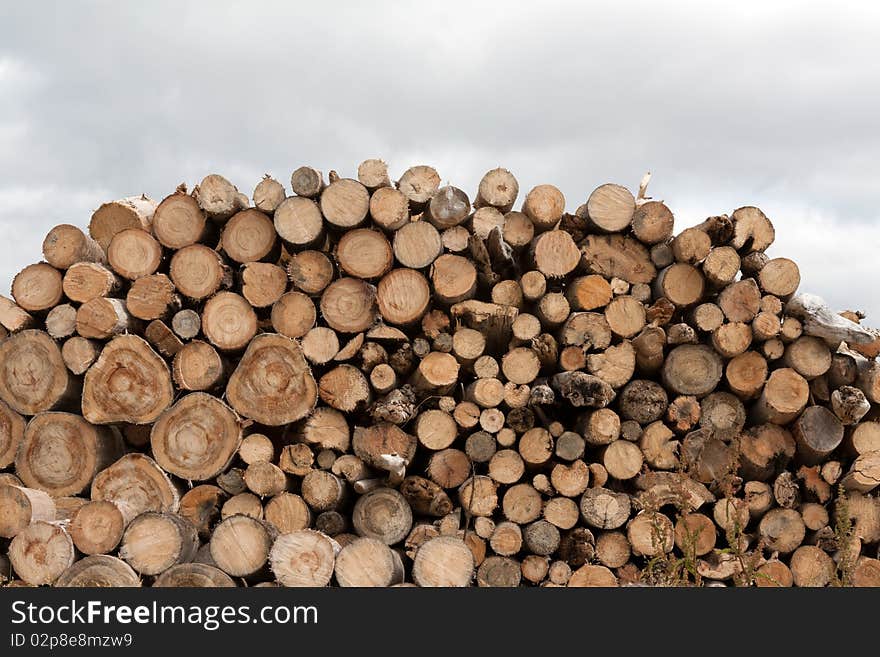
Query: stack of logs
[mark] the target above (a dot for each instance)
(369, 383)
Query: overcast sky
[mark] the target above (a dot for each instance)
(775, 104)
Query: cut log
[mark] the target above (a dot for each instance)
(454, 279)
(692, 370)
(345, 388)
(652, 223)
(33, 377)
(443, 561)
(201, 506)
(272, 383)
(368, 562)
(219, 198)
(348, 305)
(783, 530)
(784, 396)
(752, 230)
(544, 205)
(808, 356)
(268, 195)
(306, 181)
(681, 283)
(198, 272)
(20, 506)
(721, 266)
(229, 321)
(364, 253)
(178, 221)
(61, 321)
(134, 253)
(745, 374)
(263, 283)
(98, 571)
(691, 246)
(625, 316)
(37, 288)
(153, 542)
(764, 449)
(604, 509)
(151, 297)
(193, 575)
(345, 203)
(13, 318)
(41, 553)
(811, 566)
(650, 534)
(116, 216)
(499, 189)
(298, 222)
(618, 256)
(136, 484)
(303, 558)
(66, 245)
(293, 315)
(240, 545)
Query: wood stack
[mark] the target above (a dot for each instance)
(369, 383)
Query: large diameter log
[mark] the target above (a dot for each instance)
(134, 253)
(128, 383)
(41, 553)
(228, 321)
(303, 558)
(443, 561)
(65, 245)
(610, 208)
(345, 203)
(178, 221)
(383, 514)
(272, 384)
(37, 288)
(368, 562)
(116, 216)
(135, 483)
(61, 453)
(20, 506)
(196, 438)
(98, 571)
(692, 370)
(364, 253)
(784, 396)
(33, 377)
(153, 542)
(618, 256)
(249, 236)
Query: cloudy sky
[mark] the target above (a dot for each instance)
(728, 104)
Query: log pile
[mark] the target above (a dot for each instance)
(377, 383)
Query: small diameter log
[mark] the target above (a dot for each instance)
(306, 181)
(625, 316)
(652, 222)
(383, 514)
(61, 453)
(740, 301)
(186, 324)
(681, 283)
(764, 449)
(659, 446)
(179, 221)
(364, 253)
(201, 506)
(219, 198)
(721, 266)
(544, 205)
(389, 209)
(61, 321)
(293, 315)
(784, 396)
(818, 432)
(98, 570)
(588, 293)
(498, 188)
(135, 483)
(128, 383)
(114, 217)
(65, 245)
(622, 459)
(33, 377)
(811, 566)
(692, 370)
(37, 288)
(345, 203)
(345, 388)
(20, 506)
(240, 545)
(752, 230)
(303, 558)
(520, 365)
(443, 561)
(650, 534)
(448, 207)
(263, 283)
(153, 542)
(555, 253)
(134, 253)
(41, 553)
(198, 272)
(103, 318)
(298, 222)
(691, 246)
(373, 174)
(779, 277)
(745, 374)
(268, 195)
(151, 297)
(808, 356)
(604, 509)
(198, 366)
(368, 562)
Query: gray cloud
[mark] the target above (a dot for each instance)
(772, 104)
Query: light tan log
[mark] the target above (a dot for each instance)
(303, 558)
(364, 253)
(681, 283)
(98, 570)
(65, 245)
(498, 188)
(721, 266)
(12, 317)
(151, 297)
(818, 432)
(605, 509)
(240, 545)
(345, 203)
(135, 483)
(116, 216)
(85, 281)
(198, 272)
(246, 504)
(368, 562)
(454, 279)
(348, 305)
(263, 283)
(128, 383)
(193, 575)
(41, 553)
(691, 246)
(33, 377)
(783, 398)
(448, 207)
(544, 205)
(345, 388)
(179, 221)
(20, 506)
(298, 221)
(219, 198)
(186, 324)
(61, 321)
(618, 256)
(134, 253)
(153, 542)
(808, 356)
(306, 181)
(103, 318)
(443, 561)
(228, 321)
(811, 566)
(419, 184)
(650, 534)
(555, 253)
(370, 443)
(268, 194)
(763, 449)
(383, 514)
(752, 230)
(286, 396)
(783, 530)
(692, 370)
(37, 288)
(652, 222)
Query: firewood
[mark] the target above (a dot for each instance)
(498, 188)
(652, 223)
(37, 288)
(41, 553)
(33, 377)
(721, 266)
(240, 545)
(194, 575)
(21, 506)
(298, 222)
(153, 542)
(752, 230)
(783, 530)
(306, 181)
